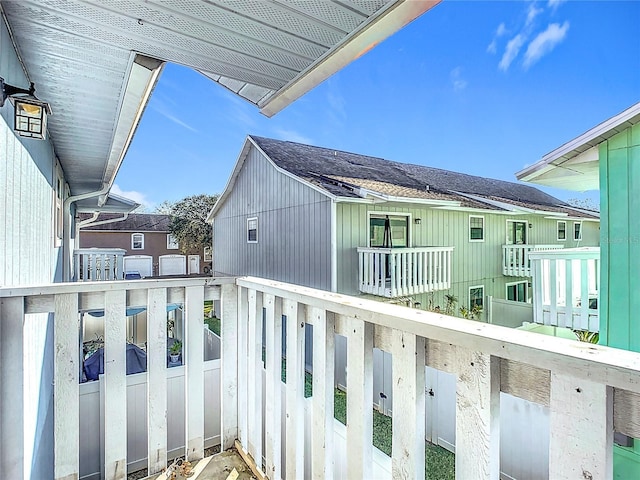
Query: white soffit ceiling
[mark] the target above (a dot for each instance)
(81, 55)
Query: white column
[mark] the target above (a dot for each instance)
(243, 312)
(254, 377)
(408, 373)
(477, 415)
(581, 426)
(157, 380)
(11, 387)
(193, 357)
(322, 399)
(359, 398)
(273, 407)
(66, 397)
(229, 364)
(115, 382)
(295, 389)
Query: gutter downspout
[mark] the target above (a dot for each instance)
(66, 212)
(334, 246)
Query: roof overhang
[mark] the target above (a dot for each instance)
(575, 165)
(112, 204)
(96, 63)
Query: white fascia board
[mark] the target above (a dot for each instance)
(142, 77)
(573, 219)
(386, 21)
(592, 138)
(514, 209)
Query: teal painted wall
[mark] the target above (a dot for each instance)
(620, 240)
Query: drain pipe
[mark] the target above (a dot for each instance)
(90, 223)
(66, 212)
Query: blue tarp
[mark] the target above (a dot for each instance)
(132, 310)
(136, 362)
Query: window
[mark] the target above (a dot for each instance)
(577, 231)
(137, 241)
(476, 296)
(476, 228)
(562, 230)
(517, 292)
(172, 242)
(252, 230)
(207, 254)
(516, 232)
(388, 231)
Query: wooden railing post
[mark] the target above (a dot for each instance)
(156, 380)
(477, 415)
(11, 387)
(229, 364)
(273, 407)
(408, 371)
(254, 377)
(194, 370)
(581, 426)
(359, 398)
(115, 382)
(66, 387)
(322, 398)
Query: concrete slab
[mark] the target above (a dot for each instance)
(227, 465)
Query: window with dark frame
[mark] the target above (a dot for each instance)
(476, 296)
(252, 230)
(476, 228)
(562, 230)
(577, 231)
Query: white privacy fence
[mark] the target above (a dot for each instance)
(566, 286)
(516, 258)
(590, 390)
(393, 272)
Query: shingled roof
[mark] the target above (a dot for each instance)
(135, 222)
(343, 174)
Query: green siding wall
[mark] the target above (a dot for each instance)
(620, 249)
(473, 263)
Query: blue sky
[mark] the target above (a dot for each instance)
(484, 88)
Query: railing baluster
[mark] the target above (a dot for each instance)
(359, 399)
(194, 368)
(254, 380)
(65, 387)
(569, 296)
(408, 371)
(537, 292)
(584, 294)
(581, 426)
(477, 415)
(322, 399)
(11, 387)
(157, 380)
(273, 406)
(295, 389)
(420, 263)
(553, 292)
(115, 382)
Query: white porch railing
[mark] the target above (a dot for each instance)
(92, 264)
(566, 286)
(395, 272)
(515, 258)
(591, 390)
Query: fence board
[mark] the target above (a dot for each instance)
(157, 377)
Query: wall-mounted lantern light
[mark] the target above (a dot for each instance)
(417, 221)
(30, 114)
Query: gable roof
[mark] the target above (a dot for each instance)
(135, 222)
(344, 175)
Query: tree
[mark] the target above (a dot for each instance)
(585, 203)
(189, 222)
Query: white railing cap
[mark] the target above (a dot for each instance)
(403, 249)
(98, 250)
(588, 253)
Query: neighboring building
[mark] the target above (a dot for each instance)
(607, 158)
(143, 235)
(362, 225)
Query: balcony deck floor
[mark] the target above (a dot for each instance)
(220, 466)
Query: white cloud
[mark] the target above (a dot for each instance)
(456, 79)
(500, 31)
(532, 13)
(292, 136)
(137, 197)
(545, 42)
(493, 46)
(511, 52)
(554, 4)
(163, 110)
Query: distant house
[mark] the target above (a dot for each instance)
(363, 225)
(146, 239)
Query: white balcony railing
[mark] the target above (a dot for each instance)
(515, 258)
(395, 272)
(566, 288)
(98, 264)
(590, 390)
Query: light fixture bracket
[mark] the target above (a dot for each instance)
(30, 113)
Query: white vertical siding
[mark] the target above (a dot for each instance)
(294, 228)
